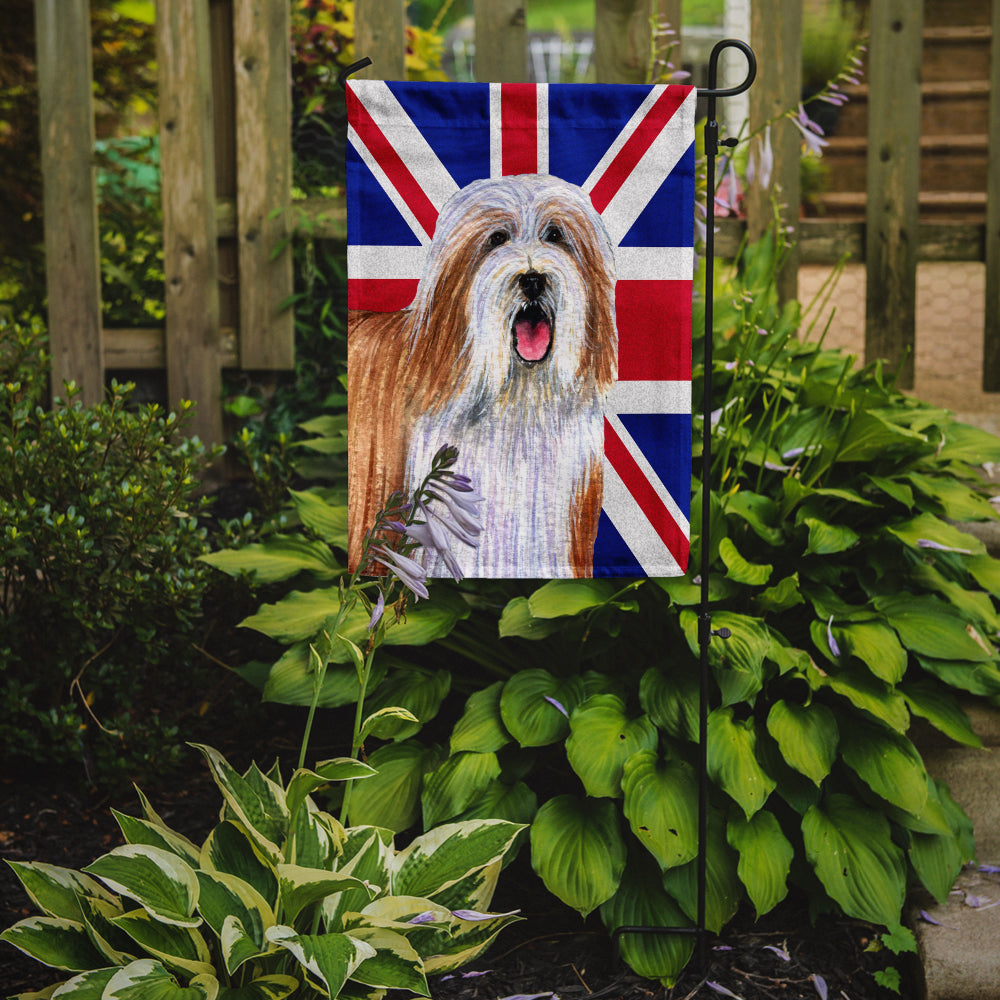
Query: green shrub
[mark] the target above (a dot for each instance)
(99, 539)
(279, 900)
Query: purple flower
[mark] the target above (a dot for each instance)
(780, 952)
(761, 163)
(834, 648)
(552, 701)
(820, 983)
(719, 988)
(927, 543)
(427, 917)
(811, 132)
(475, 915)
(411, 574)
(377, 611)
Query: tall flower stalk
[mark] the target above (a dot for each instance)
(441, 511)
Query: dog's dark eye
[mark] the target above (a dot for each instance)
(553, 235)
(498, 238)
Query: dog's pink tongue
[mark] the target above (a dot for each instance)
(533, 336)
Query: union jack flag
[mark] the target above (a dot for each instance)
(631, 149)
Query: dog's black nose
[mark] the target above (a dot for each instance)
(532, 284)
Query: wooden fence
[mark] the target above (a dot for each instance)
(226, 160)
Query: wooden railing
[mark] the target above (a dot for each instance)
(226, 161)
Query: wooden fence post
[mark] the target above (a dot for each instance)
(380, 34)
(621, 40)
(776, 35)
(72, 256)
(893, 183)
(501, 41)
(190, 252)
(991, 333)
(262, 61)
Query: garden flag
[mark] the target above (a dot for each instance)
(520, 263)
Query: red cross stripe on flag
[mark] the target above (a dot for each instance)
(412, 147)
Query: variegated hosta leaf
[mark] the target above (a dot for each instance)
(367, 854)
(723, 889)
(238, 945)
(441, 857)
(147, 979)
(300, 887)
(468, 939)
(274, 987)
(230, 849)
(304, 782)
(177, 947)
(732, 760)
(661, 805)
(456, 784)
(256, 801)
(602, 737)
(807, 736)
(642, 902)
(54, 941)
(329, 959)
(56, 891)
(765, 858)
(141, 831)
(578, 851)
(481, 727)
(116, 946)
(315, 838)
(850, 847)
(224, 897)
(158, 880)
(87, 986)
(395, 964)
(475, 891)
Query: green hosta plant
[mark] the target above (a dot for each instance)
(279, 900)
(855, 603)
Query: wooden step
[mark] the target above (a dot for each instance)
(957, 206)
(940, 13)
(956, 53)
(945, 105)
(947, 162)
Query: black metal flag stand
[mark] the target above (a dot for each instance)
(705, 631)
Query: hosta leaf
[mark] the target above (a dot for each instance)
(578, 851)
(416, 689)
(291, 680)
(147, 979)
(367, 856)
(941, 709)
(937, 860)
(602, 738)
(87, 986)
(274, 987)
(441, 857)
(986, 571)
(230, 849)
(739, 569)
(864, 691)
(888, 763)
(927, 527)
(56, 891)
(327, 520)
(54, 941)
(870, 435)
(301, 887)
(391, 798)
(527, 711)
(932, 628)
(758, 511)
(738, 661)
(517, 620)
(465, 941)
(225, 897)
(395, 964)
(976, 605)
(516, 803)
(280, 557)
(386, 723)
(330, 959)
(876, 646)
(957, 501)
(671, 699)
(141, 831)
(481, 727)
(304, 782)
(765, 858)
(661, 806)
(159, 881)
(976, 678)
(732, 760)
(180, 948)
(456, 784)
(723, 889)
(807, 736)
(827, 539)
(783, 595)
(850, 848)
(558, 598)
(641, 901)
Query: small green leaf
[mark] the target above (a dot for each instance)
(384, 723)
(395, 964)
(456, 784)
(670, 698)
(765, 858)
(391, 798)
(827, 539)
(559, 598)
(279, 558)
(807, 736)
(783, 595)
(927, 527)
(941, 709)
(330, 958)
(578, 851)
(732, 760)
(481, 727)
(888, 763)
(738, 569)
(327, 520)
(418, 690)
(517, 620)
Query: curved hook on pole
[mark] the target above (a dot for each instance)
(713, 69)
(346, 71)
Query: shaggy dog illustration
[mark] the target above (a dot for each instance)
(508, 352)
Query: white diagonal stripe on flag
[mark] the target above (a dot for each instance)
(649, 473)
(496, 132)
(654, 263)
(630, 521)
(408, 141)
(394, 196)
(385, 261)
(649, 397)
(542, 130)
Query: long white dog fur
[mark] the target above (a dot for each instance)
(508, 353)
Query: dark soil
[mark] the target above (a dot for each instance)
(551, 952)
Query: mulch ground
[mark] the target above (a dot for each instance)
(551, 952)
